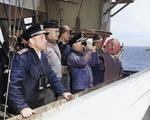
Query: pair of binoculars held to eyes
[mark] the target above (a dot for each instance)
(43, 81)
(85, 43)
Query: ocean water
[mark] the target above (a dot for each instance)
(135, 58)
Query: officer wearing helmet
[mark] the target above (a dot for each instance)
(31, 74)
(65, 34)
(64, 37)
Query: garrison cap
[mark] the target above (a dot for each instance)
(51, 24)
(35, 30)
(77, 38)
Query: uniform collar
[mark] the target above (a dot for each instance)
(39, 55)
(76, 52)
(34, 52)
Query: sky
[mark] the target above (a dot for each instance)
(131, 26)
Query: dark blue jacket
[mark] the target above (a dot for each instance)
(98, 70)
(26, 68)
(78, 67)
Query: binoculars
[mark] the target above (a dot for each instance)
(85, 43)
(43, 81)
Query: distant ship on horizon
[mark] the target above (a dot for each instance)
(148, 49)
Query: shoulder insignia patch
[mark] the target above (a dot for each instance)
(20, 52)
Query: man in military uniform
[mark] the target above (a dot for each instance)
(52, 50)
(31, 74)
(64, 37)
(53, 53)
(80, 62)
(98, 70)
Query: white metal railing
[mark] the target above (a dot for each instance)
(126, 99)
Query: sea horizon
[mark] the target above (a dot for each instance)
(135, 58)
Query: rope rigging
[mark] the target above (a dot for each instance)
(13, 36)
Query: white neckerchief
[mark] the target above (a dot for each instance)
(39, 55)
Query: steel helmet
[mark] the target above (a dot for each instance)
(63, 29)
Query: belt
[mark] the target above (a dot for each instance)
(64, 70)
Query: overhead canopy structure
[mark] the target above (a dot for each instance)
(113, 4)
